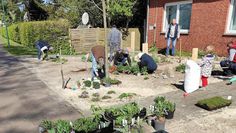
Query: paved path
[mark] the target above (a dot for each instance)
(25, 100)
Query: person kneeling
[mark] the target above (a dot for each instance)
(43, 47)
(122, 58)
(146, 60)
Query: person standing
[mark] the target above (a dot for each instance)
(98, 61)
(114, 39)
(207, 65)
(172, 34)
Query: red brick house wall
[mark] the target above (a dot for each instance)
(207, 25)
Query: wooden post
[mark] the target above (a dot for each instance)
(195, 54)
(145, 48)
(132, 41)
(105, 40)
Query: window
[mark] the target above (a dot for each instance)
(181, 11)
(231, 26)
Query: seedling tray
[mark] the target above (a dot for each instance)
(213, 103)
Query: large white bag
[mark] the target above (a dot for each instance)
(192, 76)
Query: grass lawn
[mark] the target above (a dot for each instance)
(17, 49)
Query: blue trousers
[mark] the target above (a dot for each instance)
(169, 40)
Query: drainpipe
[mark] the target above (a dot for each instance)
(155, 24)
(146, 39)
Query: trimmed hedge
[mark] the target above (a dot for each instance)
(27, 33)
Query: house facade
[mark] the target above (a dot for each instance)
(202, 23)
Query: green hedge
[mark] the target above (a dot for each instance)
(27, 33)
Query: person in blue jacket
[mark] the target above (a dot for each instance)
(42, 47)
(146, 60)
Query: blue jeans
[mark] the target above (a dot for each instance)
(39, 51)
(169, 40)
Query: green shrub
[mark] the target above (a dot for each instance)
(54, 32)
(127, 95)
(85, 125)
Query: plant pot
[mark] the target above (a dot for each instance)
(159, 124)
(170, 114)
(42, 129)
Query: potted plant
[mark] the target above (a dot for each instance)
(85, 125)
(96, 85)
(87, 83)
(45, 126)
(63, 126)
(160, 108)
(170, 110)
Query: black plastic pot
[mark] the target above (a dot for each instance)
(170, 115)
(108, 116)
(143, 112)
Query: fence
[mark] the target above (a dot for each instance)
(83, 39)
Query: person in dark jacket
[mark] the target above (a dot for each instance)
(229, 65)
(122, 58)
(42, 47)
(146, 60)
(172, 34)
(98, 61)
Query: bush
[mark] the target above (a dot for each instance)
(27, 33)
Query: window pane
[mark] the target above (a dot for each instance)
(185, 16)
(171, 12)
(233, 20)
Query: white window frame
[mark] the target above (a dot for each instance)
(177, 15)
(230, 17)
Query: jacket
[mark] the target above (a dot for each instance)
(148, 61)
(207, 65)
(176, 34)
(114, 36)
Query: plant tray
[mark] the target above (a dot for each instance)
(213, 103)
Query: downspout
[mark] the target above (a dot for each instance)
(146, 39)
(155, 24)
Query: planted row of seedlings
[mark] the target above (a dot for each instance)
(134, 69)
(125, 119)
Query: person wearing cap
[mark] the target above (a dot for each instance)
(98, 61)
(43, 47)
(114, 39)
(122, 58)
(146, 60)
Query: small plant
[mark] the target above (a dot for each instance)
(63, 126)
(111, 81)
(180, 68)
(127, 95)
(135, 69)
(96, 95)
(170, 107)
(84, 94)
(87, 83)
(95, 99)
(106, 97)
(111, 92)
(96, 85)
(146, 78)
(144, 71)
(85, 125)
(46, 124)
